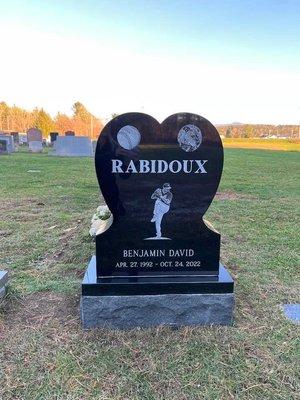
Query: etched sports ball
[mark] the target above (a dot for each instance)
(128, 137)
(189, 137)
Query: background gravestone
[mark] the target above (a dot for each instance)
(35, 140)
(94, 144)
(158, 180)
(15, 136)
(3, 146)
(7, 144)
(69, 133)
(53, 136)
(73, 146)
(23, 139)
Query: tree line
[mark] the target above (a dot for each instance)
(17, 119)
(82, 122)
(258, 130)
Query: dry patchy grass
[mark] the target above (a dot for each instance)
(266, 144)
(45, 354)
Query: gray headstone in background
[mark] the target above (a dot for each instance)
(3, 146)
(7, 144)
(34, 135)
(94, 143)
(35, 140)
(35, 146)
(73, 146)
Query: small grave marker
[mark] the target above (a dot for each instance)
(292, 312)
(3, 283)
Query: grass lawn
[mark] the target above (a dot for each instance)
(46, 205)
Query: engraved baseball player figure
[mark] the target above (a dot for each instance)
(163, 199)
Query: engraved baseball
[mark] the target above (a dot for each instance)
(128, 137)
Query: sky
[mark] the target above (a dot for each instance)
(227, 60)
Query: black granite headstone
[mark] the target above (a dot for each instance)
(53, 136)
(158, 262)
(69, 133)
(158, 181)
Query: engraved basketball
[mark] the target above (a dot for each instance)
(128, 137)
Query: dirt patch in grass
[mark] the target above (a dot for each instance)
(230, 195)
(39, 309)
(21, 205)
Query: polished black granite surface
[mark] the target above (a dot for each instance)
(158, 181)
(153, 285)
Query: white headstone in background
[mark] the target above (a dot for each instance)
(73, 146)
(22, 138)
(7, 144)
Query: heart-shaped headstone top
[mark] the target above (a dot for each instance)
(158, 181)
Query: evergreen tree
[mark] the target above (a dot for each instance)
(4, 116)
(248, 131)
(80, 111)
(85, 123)
(228, 133)
(44, 122)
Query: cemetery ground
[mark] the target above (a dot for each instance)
(46, 205)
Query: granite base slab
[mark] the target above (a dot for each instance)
(169, 302)
(176, 310)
